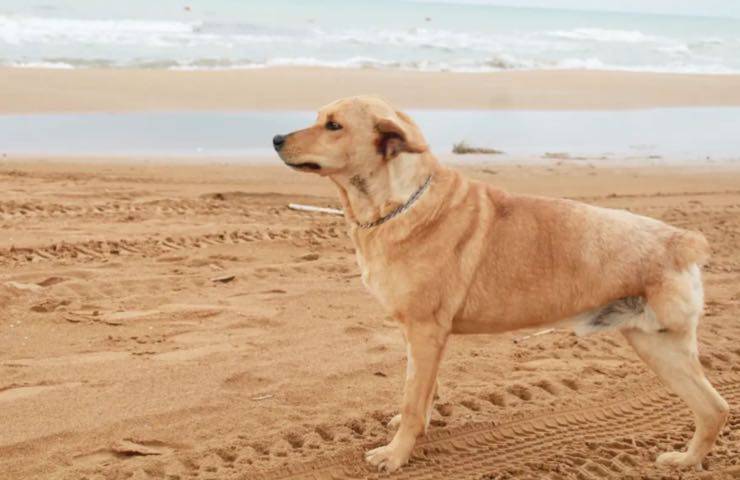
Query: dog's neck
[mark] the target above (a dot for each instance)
(369, 196)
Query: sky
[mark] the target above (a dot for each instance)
(715, 8)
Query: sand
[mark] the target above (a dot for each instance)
(178, 322)
(33, 90)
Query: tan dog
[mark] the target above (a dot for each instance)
(448, 255)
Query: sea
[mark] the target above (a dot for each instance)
(424, 35)
(412, 35)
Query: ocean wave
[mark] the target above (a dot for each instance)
(19, 30)
(49, 65)
(16, 30)
(606, 35)
(492, 64)
(41, 42)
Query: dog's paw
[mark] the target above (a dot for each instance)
(387, 458)
(679, 459)
(394, 422)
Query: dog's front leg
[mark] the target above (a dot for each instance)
(425, 343)
(394, 422)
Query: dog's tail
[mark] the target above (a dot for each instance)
(689, 247)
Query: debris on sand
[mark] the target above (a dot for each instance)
(259, 398)
(557, 155)
(32, 287)
(462, 148)
(49, 305)
(224, 279)
(130, 448)
(311, 208)
(536, 334)
(50, 281)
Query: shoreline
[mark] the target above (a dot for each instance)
(463, 161)
(30, 90)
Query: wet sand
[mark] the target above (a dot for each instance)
(43, 90)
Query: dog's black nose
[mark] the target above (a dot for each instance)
(278, 141)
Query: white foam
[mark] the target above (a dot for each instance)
(16, 30)
(51, 65)
(41, 42)
(19, 30)
(606, 35)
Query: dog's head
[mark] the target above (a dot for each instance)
(351, 135)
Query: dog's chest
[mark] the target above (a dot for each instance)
(377, 276)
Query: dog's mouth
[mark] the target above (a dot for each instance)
(304, 166)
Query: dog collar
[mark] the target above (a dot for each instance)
(400, 209)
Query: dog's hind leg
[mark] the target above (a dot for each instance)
(672, 354)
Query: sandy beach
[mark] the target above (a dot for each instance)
(30, 90)
(179, 322)
(175, 320)
(167, 316)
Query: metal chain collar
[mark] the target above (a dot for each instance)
(400, 209)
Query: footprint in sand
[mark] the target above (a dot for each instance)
(295, 439)
(520, 391)
(49, 305)
(357, 330)
(547, 386)
(470, 405)
(48, 282)
(570, 383)
(324, 432)
(496, 398)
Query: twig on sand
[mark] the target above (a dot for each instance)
(311, 208)
(536, 334)
(262, 397)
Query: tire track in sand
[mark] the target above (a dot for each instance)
(606, 441)
(92, 250)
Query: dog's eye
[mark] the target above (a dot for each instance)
(333, 126)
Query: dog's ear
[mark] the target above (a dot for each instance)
(399, 134)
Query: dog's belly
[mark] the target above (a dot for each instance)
(481, 325)
(620, 313)
(493, 320)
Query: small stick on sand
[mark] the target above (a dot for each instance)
(311, 208)
(536, 334)
(262, 397)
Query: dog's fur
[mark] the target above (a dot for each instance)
(469, 258)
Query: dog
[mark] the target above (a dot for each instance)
(447, 255)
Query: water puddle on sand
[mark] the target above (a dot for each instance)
(654, 136)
